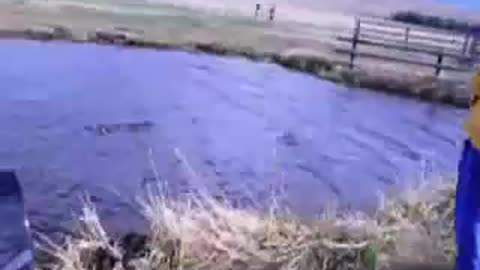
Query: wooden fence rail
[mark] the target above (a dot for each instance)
(463, 48)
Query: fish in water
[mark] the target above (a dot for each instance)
(289, 139)
(107, 129)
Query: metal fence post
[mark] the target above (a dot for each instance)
(356, 35)
(272, 13)
(438, 68)
(474, 47)
(257, 10)
(407, 35)
(466, 40)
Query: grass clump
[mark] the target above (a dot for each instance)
(199, 232)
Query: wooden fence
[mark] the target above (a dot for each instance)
(450, 50)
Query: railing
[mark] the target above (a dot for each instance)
(443, 46)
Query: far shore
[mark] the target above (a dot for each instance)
(309, 56)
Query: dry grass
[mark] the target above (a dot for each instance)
(199, 232)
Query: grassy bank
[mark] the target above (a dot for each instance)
(412, 231)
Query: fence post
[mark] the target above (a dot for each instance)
(407, 34)
(465, 44)
(471, 45)
(473, 50)
(438, 68)
(257, 10)
(272, 13)
(356, 35)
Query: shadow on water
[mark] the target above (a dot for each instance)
(82, 118)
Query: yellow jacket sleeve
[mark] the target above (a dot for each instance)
(472, 125)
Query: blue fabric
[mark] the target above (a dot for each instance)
(468, 209)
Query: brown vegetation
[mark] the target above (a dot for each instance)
(198, 232)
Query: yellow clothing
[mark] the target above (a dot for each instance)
(472, 125)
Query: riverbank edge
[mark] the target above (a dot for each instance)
(427, 88)
(415, 230)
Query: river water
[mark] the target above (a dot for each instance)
(87, 118)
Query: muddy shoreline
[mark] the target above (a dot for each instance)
(427, 88)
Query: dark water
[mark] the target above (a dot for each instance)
(79, 118)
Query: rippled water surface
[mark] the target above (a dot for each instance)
(79, 118)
